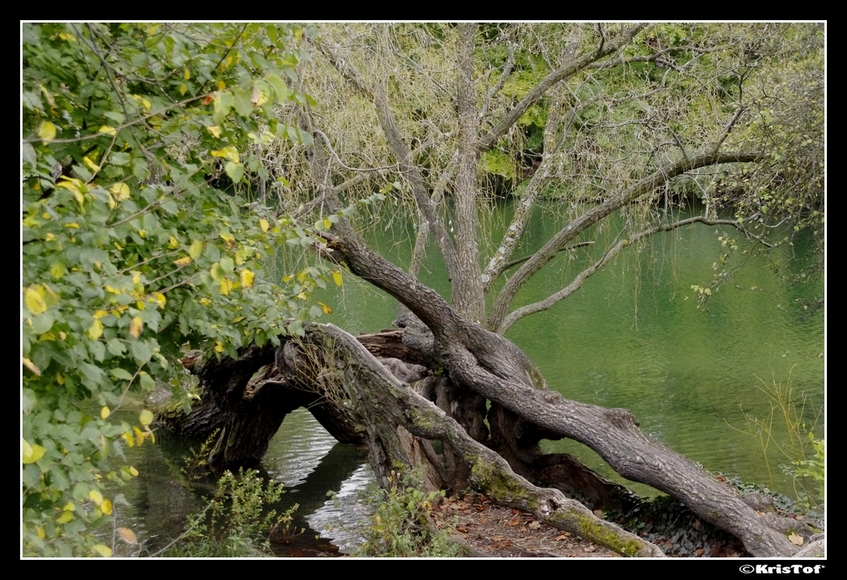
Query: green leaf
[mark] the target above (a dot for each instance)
(223, 104)
(140, 352)
(121, 374)
(42, 323)
(115, 347)
(119, 158)
(242, 101)
(235, 171)
(280, 88)
(146, 381)
(28, 154)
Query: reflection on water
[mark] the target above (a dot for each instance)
(326, 479)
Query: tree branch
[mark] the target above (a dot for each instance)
(402, 153)
(598, 212)
(565, 71)
(580, 278)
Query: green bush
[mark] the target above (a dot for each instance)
(135, 137)
(235, 523)
(401, 527)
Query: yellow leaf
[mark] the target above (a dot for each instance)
(133, 470)
(129, 439)
(325, 308)
(226, 286)
(34, 299)
(136, 326)
(195, 249)
(182, 262)
(186, 74)
(220, 85)
(159, 299)
(60, 379)
(106, 129)
(795, 539)
(218, 346)
(230, 153)
(247, 278)
(90, 164)
(103, 550)
(67, 37)
(173, 243)
(95, 496)
(34, 369)
(214, 130)
(105, 412)
(95, 330)
(32, 453)
(106, 507)
(48, 95)
(100, 314)
(183, 88)
(127, 535)
(64, 518)
(58, 270)
(139, 436)
(39, 531)
(263, 223)
(336, 277)
(120, 191)
(47, 131)
(146, 417)
(69, 507)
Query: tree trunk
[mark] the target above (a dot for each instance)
(435, 420)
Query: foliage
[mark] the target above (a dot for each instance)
(401, 526)
(235, 522)
(788, 430)
(812, 473)
(132, 243)
(673, 527)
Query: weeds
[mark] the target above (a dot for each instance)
(235, 523)
(803, 452)
(401, 526)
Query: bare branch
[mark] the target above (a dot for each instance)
(580, 278)
(598, 212)
(408, 169)
(567, 70)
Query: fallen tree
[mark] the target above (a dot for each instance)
(446, 392)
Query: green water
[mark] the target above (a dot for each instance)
(634, 337)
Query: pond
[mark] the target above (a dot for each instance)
(635, 336)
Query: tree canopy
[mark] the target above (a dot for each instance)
(134, 243)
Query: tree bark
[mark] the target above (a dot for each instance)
(490, 365)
